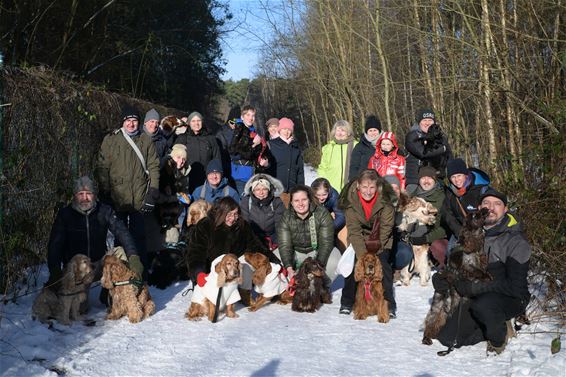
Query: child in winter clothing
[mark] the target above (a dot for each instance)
(386, 160)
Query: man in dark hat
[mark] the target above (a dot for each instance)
(81, 228)
(216, 185)
(492, 303)
(127, 171)
(421, 154)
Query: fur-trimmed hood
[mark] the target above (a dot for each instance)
(277, 187)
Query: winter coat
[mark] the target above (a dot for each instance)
(224, 139)
(294, 235)
(163, 144)
(436, 198)
(212, 194)
(75, 232)
(120, 173)
(415, 146)
(275, 282)
(288, 164)
(173, 180)
(245, 158)
(390, 164)
(263, 215)
(207, 242)
(331, 204)
(333, 163)
(230, 294)
(359, 228)
(201, 149)
(452, 214)
(360, 156)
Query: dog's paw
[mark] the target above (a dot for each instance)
(427, 341)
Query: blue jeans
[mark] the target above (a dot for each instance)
(403, 255)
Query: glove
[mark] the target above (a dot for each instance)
(418, 240)
(149, 200)
(467, 288)
(440, 283)
(136, 265)
(184, 198)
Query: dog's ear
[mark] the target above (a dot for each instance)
(378, 271)
(220, 269)
(359, 270)
(403, 201)
(259, 275)
(69, 274)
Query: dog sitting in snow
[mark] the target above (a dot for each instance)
(417, 211)
(369, 296)
(64, 305)
(268, 279)
(310, 288)
(224, 273)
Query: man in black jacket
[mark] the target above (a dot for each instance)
(81, 228)
(492, 303)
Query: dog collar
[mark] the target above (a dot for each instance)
(131, 281)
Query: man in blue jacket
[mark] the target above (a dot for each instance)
(216, 186)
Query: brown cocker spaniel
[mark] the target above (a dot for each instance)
(130, 297)
(369, 295)
(311, 290)
(225, 272)
(269, 282)
(64, 305)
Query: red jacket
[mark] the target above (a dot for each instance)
(392, 164)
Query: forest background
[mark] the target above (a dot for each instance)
(493, 71)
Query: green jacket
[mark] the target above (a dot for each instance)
(293, 234)
(436, 198)
(359, 228)
(333, 164)
(119, 171)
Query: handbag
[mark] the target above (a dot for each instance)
(373, 243)
(346, 263)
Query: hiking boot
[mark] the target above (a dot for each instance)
(493, 350)
(392, 314)
(397, 276)
(346, 310)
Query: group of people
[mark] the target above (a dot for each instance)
(254, 179)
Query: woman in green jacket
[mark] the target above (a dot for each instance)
(306, 230)
(337, 154)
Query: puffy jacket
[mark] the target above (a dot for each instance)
(452, 214)
(414, 144)
(75, 232)
(288, 164)
(294, 235)
(390, 164)
(201, 149)
(331, 204)
(120, 173)
(263, 215)
(508, 253)
(333, 163)
(359, 228)
(360, 156)
(207, 242)
(212, 194)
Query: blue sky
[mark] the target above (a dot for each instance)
(242, 46)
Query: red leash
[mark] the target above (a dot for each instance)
(367, 290)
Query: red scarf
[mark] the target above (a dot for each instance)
(367, 206)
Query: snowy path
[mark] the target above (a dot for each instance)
(272, 341)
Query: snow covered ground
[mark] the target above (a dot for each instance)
(271, 342)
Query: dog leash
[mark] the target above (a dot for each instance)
(216, 308)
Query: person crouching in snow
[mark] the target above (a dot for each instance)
(386, 160)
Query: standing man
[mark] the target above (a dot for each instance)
(492, 303)
(161, 142)
(248, 149)
(423, 151)
(127, 170)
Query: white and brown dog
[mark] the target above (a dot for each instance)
(224, 273)
(420, 212)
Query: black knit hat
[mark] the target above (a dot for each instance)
(424, 114)
(130, 112)
(372, 122)
(456, 166)
(493, 192)
(214, 166)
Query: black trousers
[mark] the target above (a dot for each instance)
(349, 291)
(481, 318)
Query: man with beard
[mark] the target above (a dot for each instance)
(492, 303)
(81, 228)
